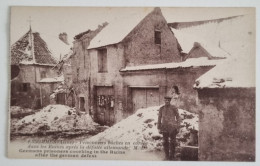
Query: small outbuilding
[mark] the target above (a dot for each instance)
(227, 111)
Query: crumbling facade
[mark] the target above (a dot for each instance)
(77, 76)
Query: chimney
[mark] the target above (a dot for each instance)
(64, 37)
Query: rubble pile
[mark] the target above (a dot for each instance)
(54, 118)
(141, 127)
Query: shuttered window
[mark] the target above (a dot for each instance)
(102, 60)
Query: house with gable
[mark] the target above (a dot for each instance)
(134, 66)
(32, 75)
(146, 39)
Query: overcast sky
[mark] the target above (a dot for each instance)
(51, 21)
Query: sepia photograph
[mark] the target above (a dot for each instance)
(132, 83)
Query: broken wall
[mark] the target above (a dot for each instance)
(79, 79)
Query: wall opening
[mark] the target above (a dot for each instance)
(82, 104)
(102, 60)
(61, 98)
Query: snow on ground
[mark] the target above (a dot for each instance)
(142, 127)
(54, 118)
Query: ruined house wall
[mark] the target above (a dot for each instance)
(227, 124)
(68, 74)
(80, 67)
(140, 47)
(29, 95)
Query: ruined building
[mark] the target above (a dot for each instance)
(32, 77)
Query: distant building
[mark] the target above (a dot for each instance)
(32, 77)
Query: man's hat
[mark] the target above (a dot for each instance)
(167, 97)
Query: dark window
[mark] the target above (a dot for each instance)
(43, 74)
(25, 87)
(102, 60)
(61, 98)
(157, 37)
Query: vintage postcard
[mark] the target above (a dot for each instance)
(144, 83)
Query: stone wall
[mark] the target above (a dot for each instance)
(227, 124)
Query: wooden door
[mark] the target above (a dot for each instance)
(145, 97)
(105, 105)
(138, 98)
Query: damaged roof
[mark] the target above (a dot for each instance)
(33, 48)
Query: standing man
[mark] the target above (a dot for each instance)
(168, 126)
